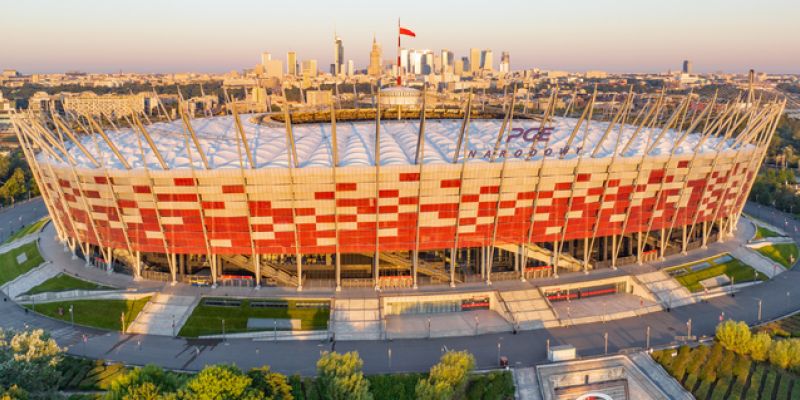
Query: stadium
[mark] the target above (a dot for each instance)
(398, 194)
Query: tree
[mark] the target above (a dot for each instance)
(734, 336)
(28, 361)
(14, 186)
(150, 382)
(272, 385)
(759, 346)
(340, 377)
(448, 378)
(219, 382)
(779, 353)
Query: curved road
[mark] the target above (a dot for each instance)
(21, 214)
(780, 296)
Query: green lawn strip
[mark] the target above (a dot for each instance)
(735, 269)
(10, 270)
(783, 387)
(755, 382)
(27, 230)
(796, 390)
(103, 314)
(63, 282)
(782, 253)
(763, 233)
(207, 319)
(769, 384)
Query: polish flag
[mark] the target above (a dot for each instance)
(407, 32)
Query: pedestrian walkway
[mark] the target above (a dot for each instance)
(449, 324)
(526, 384)
(164, 315)
(30, 280)
(659, 377)
(669, 292)
(760, 263)
(19, 243)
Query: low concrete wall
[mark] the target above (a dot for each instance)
(76, 295)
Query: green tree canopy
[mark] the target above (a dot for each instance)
(219, 382)
(340, 377)
(448, 378)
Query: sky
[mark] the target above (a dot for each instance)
(41, 36)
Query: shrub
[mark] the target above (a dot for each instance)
(340, 377)
(219, 382)
(779, 353)
(794, 353)
(709, 370)
(734, 336)
(678, 365)
(726, 367)
(396, 387)
(272, 385)
(759, 346)
(448, 378)
(741, 369)
(136, 383)
(491, 386)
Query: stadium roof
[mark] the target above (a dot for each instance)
(218, 139)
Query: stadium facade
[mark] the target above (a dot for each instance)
(267, 199)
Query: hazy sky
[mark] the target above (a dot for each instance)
(221, 35)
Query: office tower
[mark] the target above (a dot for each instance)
(273, 68)
(687, 67)
(505, 62)
(465, 67)
(351, 68)
(309, 68)
(265, 56)
(487, 60)
(447, 61)
(374, 68)
(415, 66)
(338, 56)
(474, 60)
(403, 60)
(427, 63)
(291, 63)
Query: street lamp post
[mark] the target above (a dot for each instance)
(390, 358)
(498, 352)
(647, 339)
(223, 332)
(429, 327)
(759, 310)
(71, 315)
(688, 328)
(605, 340)
(477, 324)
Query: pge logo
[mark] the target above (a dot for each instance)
(531, 134)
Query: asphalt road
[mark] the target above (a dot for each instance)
(23, 213)
(780, 296)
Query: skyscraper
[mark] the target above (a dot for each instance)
(474, 60)
(403, 60)
(309, 68)
(265, 56)
(487, 60)
(687, 67)
(447, 61)
(505, 62)
(291, 63)
(351, 68)
(374, 68)
(338, 56)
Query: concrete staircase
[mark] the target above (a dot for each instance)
(535, 252)
(529, 309)
(357, 319)
(668, 291)
(267, 270)
(158, 315)
(435, 271)
(30, 279)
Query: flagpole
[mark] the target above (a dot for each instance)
(399, 78)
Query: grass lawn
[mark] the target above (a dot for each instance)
(763, 233)
(207, 319)
(27, 230)
(10, 270)
(782, 253)
(103, 314)
(63, 282)
(735, 269)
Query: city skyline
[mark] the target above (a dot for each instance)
(724, 36)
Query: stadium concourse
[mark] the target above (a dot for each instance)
(456, 197)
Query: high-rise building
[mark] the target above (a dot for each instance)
(415, 62)
(487, 60)
(374, 67)
(447, 61)
(474, 60)
(403, 60)
(309, 68)
(427, 63)
(351, 68)
(265, 56)
(291, 63)
(687, 67)
(338, 56)
(505, 62)
(273, 68)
